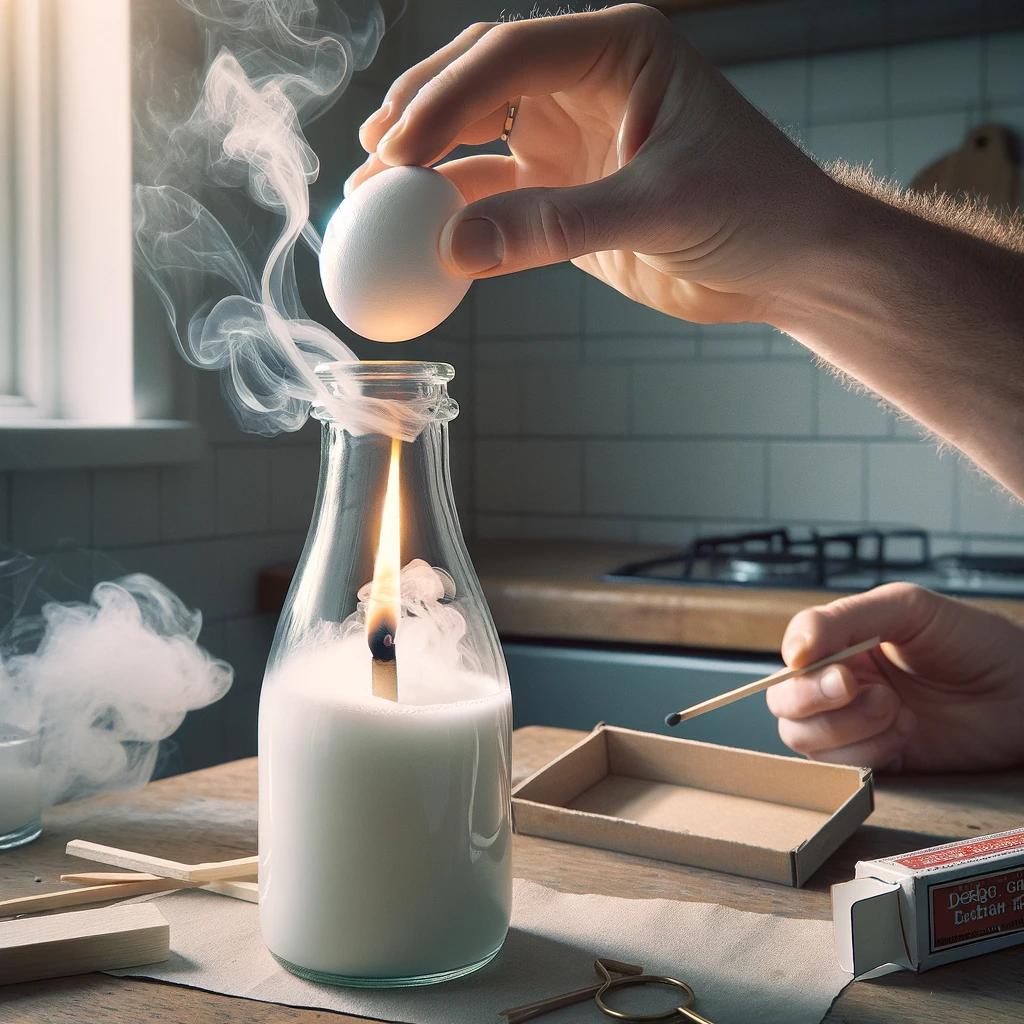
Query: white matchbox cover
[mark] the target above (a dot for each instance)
(929, 907)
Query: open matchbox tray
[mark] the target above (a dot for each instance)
(747, 813)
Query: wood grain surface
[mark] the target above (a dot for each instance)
(554, 590)
(210, 815)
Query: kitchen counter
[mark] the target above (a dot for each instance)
(553, 590)
(211, 814)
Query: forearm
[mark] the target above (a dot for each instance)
(928, 316)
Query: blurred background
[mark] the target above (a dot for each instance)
(593, 431)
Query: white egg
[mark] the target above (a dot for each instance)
(380, 265)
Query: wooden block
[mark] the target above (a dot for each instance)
(83, 941)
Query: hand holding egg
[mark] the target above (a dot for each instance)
(380, 264)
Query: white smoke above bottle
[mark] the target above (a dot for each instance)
(272, 66)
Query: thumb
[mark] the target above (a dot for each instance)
(896, 612)
(533, 227)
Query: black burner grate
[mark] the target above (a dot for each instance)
(779, 557)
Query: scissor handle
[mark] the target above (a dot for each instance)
(692, 1015)
(681, 1010)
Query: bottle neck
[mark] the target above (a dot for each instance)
(354, 472)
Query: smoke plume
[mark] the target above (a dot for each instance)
(102, 681)
(271, 67)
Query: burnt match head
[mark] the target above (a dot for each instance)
(382, 642)
(674, 719)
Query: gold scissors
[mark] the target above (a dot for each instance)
(615, 975)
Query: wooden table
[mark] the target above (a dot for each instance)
(211, 814)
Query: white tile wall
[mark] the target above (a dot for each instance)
(593, 400)
(831, 95)
(1004, 80)
(816, 480)
(49, 508)
(734, 341)
(188, 500)
(919, 140)
(293, 479)
(748, 398)
(910, 484)
(626, 348)
(942, 74)
(126, 506)
(243, 490)
(856, 142)
(844, 411)
(984, 507)
(776, 87)
(497, 400)
(528, 476)
(547, 301)
(703, 478)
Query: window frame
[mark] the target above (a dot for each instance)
(66, 255)
(68, 171)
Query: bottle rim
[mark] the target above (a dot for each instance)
(396, 370)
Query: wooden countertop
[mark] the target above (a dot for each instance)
(554, 590)
(211, 814)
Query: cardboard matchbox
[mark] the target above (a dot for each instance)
(747, 813)
(930, 907)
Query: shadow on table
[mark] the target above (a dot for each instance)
(870, 842)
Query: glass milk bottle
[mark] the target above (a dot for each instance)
(385, 716)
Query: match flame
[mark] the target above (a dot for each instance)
(385, 603)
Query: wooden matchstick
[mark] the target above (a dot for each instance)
(762, 684)
(114, 877)
(87, 894)
(210, 871)
(385, 679)
(248, 891)
(107, 877)
(116, 886)
(240, 889)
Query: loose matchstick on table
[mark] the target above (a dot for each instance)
(209, 871)
(762, 684)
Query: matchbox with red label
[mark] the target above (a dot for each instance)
(929, 907)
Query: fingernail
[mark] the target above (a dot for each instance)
(392, 133)
(350, 184)
(832, 685)
(475, 245)
(906, 722)
(794, 649)
(380, 114)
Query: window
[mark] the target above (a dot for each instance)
(6, 200)
(67, 354)
(66, 177)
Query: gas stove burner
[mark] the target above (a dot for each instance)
(768, 566)
(979, 567)
(848, 561)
